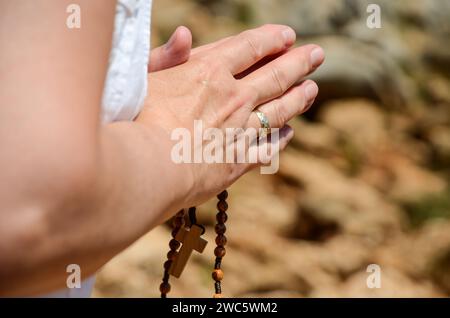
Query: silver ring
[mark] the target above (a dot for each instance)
(265, 125)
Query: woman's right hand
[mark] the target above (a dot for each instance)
(209, 88)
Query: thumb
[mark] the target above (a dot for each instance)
(176, 51)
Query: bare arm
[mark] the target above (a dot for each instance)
(73, 191)
(67, 190)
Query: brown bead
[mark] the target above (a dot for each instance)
(221, 217)
(167, 265)
(174, 233)
(222, 206)
(180, 214)
(174, 244)
(164, 288)
(223, 195)
(178, 222)
(172, 255)
(217, 275)
(220, 228)
(221, 240)
(219, 251)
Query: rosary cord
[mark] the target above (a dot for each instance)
(221, 241)
(192, 215)
(193, 219)
(177, 223)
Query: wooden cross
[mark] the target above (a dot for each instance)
(191, 240)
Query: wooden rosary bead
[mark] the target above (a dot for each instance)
(174, 244)
(178, 222)
(164, 288)
(219, 251)
(220, 228)
(223, 195)
(171, 255)
(222, 206)
(167, 265)
(221, 217)
(221, 240)
(217, 275)
(180, 214)
(174, 232)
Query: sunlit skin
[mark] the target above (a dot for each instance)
(74, 191)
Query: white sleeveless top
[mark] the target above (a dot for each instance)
(126, 83)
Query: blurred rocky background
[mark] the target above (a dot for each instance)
(365, 181)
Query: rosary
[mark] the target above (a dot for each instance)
(187, 239)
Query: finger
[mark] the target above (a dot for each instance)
(258, 65)
(279, 111)
(286, 135)
(202, 49)
(242, 51)
(275, 78)
(268, 149)
(176, 51)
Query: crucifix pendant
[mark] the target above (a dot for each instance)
(191, 240)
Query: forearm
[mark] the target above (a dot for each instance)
(137, 179)
(134, 188)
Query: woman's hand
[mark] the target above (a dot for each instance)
(205, 88)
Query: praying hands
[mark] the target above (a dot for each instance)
(76, 191)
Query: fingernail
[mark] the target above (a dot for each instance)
(317, 57)
(311, 91)
(289, 36)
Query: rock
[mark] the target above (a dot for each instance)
(437, 55)
(355, 69)
(254, 199)
(360, 121)
(305, 17)
(169, 14)
(411, 182)
(394, 284)
(416, 257)
(439, 137)
(314, 137)
(438, 88)
(356, 207)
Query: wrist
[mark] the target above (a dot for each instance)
(145, 155)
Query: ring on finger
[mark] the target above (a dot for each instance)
(265, 125)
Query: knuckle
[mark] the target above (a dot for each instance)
(215, 66)
(279, 114)
(231, 93)
(209, 69)
(203, 66)
(278, 79)
(253, 45)
(302, 102)
(306, 64)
